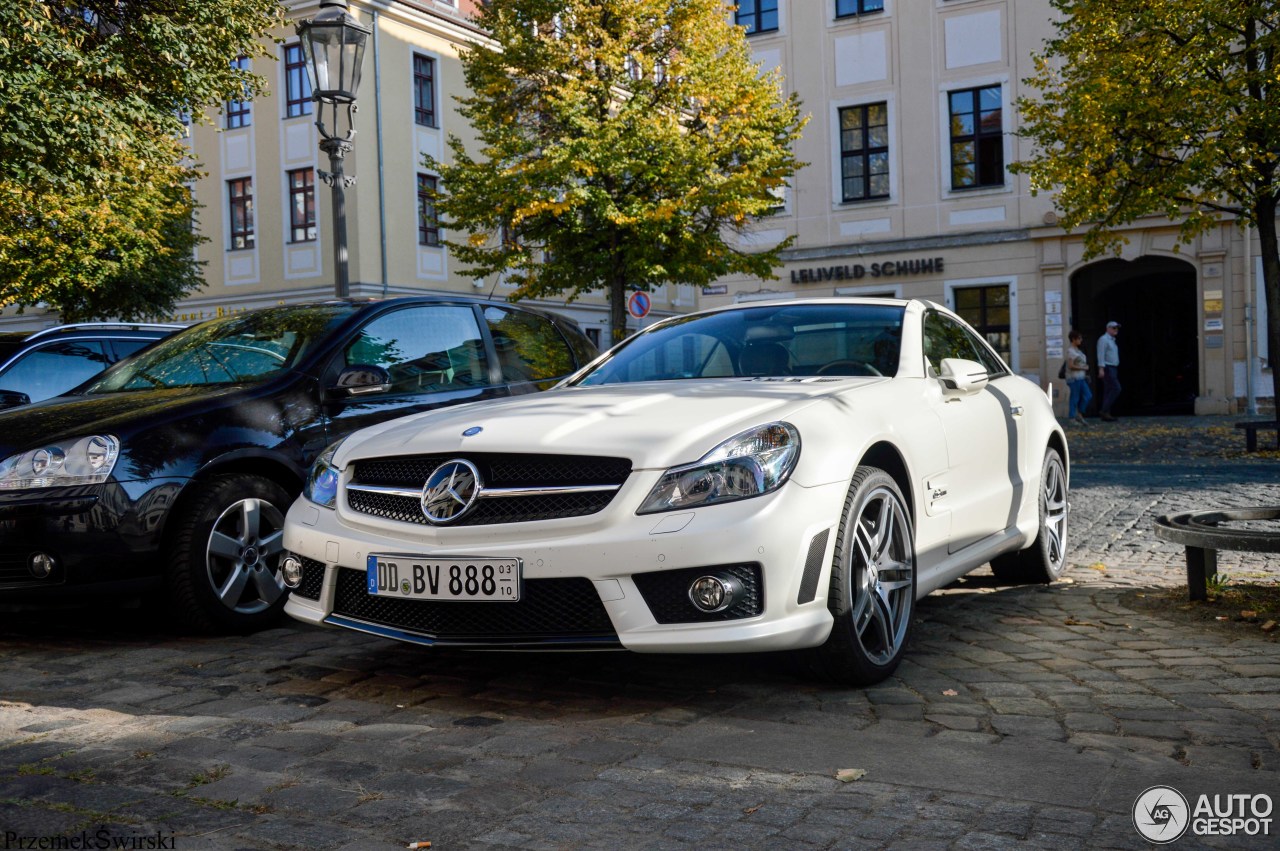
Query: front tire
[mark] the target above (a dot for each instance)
(224, 560)
(873, 583)
(1046, 558)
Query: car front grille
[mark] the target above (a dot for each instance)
(496, 471)
(666, 593)
(548, 609)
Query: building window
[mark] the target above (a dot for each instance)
(238, 110)
(864, 152)
(848, 8)
(302, 205)
(757, 16)
(977, 138)
(240, 193)
(297, 86)
(424, 93)
(428, 223)
(986, 309)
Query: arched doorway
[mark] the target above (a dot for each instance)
(1154, 300)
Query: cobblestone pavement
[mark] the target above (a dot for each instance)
(1023, 717)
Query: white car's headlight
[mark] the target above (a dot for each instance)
(322, 479)
(746, 465)
(79, 461)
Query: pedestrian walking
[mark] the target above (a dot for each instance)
(1109, 369)
(1077, 378)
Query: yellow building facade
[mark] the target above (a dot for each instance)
(906, 192)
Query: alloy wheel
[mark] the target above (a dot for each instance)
(243, 556)
(883, 567)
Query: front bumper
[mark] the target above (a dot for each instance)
(608, 550)
(101, 537)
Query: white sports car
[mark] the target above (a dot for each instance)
(789, 475)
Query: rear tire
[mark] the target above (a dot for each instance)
(873, 584)
(224, 559)
(1046, 558)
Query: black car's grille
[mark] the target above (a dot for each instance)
(548, 609)
(666, 593)
(312, 578)
(496, 471)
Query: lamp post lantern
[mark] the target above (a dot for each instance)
(333, 45)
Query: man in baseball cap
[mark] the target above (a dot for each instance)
(1109, 369)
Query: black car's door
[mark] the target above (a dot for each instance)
(435, 355)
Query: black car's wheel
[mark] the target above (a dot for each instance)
(873, 583)
(224, 562)
(1046, 558)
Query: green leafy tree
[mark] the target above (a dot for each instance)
(620, 143)
(95, 205)
(1161, 108)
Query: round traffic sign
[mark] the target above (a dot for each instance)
(638, 305)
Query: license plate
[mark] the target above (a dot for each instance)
(495, 580)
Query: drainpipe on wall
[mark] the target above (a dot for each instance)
(382, 184)
(1251, 401)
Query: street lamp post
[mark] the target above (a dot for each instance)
(333, 45)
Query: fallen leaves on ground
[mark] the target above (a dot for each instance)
(1252, 607)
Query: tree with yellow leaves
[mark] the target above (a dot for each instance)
(95, 201)
(1161, 108)
(620, 144)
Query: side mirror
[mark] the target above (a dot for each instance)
(361, 379)
(964, 376)
(12, 399)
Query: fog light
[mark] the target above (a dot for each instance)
(41, 565)
(291, 567)
(714, 593)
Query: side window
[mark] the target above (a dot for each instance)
(428, 348)
(944, 338)
(55, 368)
(529, 346)
(124, 348)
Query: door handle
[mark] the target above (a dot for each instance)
(1015, 410)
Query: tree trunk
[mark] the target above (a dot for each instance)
(617, 310)
(1265, 212)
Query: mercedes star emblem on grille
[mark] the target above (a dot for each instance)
(450, 491)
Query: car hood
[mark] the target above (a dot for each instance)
(118, 414)
(655, 424)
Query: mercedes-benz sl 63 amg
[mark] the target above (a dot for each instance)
(781, 476)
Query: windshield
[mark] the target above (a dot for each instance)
(813, 339)
(248, 347)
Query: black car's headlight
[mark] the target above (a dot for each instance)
(78, 461)
(749, 464)
(322, 479)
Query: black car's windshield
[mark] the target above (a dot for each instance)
(813, 339)
(238, 349)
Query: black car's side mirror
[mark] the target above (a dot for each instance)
(12, 399)
(361, 379)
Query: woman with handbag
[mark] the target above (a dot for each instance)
(1077, 375)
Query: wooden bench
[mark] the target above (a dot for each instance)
(1200, 533)
(1251, 428)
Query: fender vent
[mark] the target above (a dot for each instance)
(813, 567)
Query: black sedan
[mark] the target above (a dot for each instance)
(173, 470)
